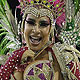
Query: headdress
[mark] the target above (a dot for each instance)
(54, 8)
(70, 34)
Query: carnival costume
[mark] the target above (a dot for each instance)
(65, 54)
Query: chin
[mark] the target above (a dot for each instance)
(35, 48)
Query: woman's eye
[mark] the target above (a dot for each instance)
(44, 24)
(30, 22)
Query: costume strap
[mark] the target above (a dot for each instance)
(65, 55)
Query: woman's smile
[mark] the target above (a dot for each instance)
(36, 31)
(35, 40)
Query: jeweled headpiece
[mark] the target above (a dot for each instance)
(54, 9)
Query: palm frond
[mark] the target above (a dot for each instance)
(8, 29)
(11, 19)
(5, 49)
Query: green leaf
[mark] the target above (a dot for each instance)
(2, 30)
(3, 42)
(3, 33)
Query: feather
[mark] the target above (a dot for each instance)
(69, 10)
(77, 21)
(11, 20)
(5, 26)
(8, 29)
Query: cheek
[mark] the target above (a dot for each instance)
(26, 33)
(27, 30)
(46, 31)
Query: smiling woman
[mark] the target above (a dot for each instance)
(41, 59)
(36, 31)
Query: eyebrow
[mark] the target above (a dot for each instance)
(30, 19)
(41, 21)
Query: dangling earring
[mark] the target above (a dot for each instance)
(52, 35)
(52, 32)
(21, 35)
(22, 32)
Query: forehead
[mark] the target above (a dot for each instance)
(30, 16)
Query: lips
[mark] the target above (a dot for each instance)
(35, 40)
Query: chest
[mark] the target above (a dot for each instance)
(40, 69)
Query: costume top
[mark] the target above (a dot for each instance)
(66, 61)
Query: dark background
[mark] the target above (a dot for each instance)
(13, 4)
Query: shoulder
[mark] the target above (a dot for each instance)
(18, 51)
(67, 57)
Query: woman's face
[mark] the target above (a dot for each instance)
(36, 31)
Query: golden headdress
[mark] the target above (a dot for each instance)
(54, 8)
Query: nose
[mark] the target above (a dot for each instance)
(36, 28)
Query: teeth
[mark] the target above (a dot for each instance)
(34, 37)
(35, 40)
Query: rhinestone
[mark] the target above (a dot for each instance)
(9, 62)
(23, 48)
(67, 57)
(1, 79)
(77, 68)
(13, 65)
(5, 69)
(1, 73)
(17, 55)
(12, 59)
(16, 68)
(10, 66)
(1, 67)
(5, 66)
(6, 78)
(17, 60)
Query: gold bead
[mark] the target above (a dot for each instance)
(37, 0)
(32, 2)
(44, 1)
(48, 6)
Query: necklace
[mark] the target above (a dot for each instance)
(40, 69)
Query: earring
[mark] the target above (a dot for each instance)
(52, 35)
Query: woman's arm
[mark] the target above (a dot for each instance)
(10, 65)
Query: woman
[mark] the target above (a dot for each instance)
(42, 59)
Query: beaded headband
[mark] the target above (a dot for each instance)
(54, 9)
